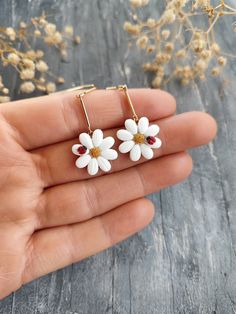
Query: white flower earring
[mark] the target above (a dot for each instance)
(94, 150)
(139, 138)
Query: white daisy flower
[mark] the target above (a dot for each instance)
(94, 152)
(139, 138)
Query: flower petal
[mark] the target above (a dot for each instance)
(135, 153)
(143, 124)
(86, 140)
(97, 137)
(126, 146)
(93, 167)
(124, 135)
(75, 150)
(152, 130)
(83, 161)
(131, 126)
(107, 142)
(146, 151)
(109, 154)
(157, 144)
(104, 164)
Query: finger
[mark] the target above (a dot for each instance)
(79, 201)
(56, 163)
(49, 119)
(55, 248)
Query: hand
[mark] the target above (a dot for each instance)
(50, 214)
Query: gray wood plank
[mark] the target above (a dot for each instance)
(185, 261)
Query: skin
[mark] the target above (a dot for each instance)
(53, 214)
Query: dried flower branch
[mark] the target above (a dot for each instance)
(33, 71)
(178, 47)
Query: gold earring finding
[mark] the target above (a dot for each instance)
(125, 89)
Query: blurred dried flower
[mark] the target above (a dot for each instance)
(37, 33)
(10, 32)
(77, 40)
(51, 87)
(222, 61)
(131, 28)
(178, 56)
(4, 99)
(23, 25)
(60, 80)
(142, 42)
(41, 66)
(27, 87)
(29, 63)
(165, 33)
(69, 30)
(27, 74)
(215, 71)
(50, 28)
(13, 58)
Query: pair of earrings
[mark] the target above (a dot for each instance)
(138, 138)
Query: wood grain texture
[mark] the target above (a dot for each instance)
(185, 261)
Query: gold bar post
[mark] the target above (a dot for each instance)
(125, 89)
(88, 89)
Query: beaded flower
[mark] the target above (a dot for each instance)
(139, 138)
(94, 152)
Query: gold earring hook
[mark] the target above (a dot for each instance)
(88, 89)
(125, 89)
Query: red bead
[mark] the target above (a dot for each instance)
(82, 150)
(151, 140)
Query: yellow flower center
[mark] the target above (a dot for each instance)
(139, 138)
(95, 152)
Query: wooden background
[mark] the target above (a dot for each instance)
(185, 261)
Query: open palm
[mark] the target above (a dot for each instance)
(53, 214)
